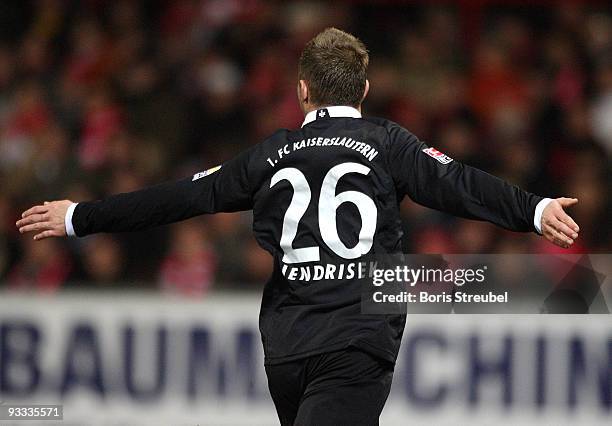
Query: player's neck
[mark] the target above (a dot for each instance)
(311, 108)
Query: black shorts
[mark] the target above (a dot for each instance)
(343, 388)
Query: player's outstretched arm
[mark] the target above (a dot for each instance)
(434, 180)
(222, 189)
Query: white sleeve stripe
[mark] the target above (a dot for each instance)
(68, 220)
(537, 217)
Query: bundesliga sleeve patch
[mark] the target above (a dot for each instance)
(434, 153)
(200, 175)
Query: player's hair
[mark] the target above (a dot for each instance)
(334, 64)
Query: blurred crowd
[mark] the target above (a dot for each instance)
(99, 97)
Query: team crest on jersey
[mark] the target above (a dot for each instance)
(434, 153)
(200, 175)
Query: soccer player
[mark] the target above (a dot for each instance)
(325, 196)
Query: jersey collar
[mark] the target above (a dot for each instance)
(331, 111)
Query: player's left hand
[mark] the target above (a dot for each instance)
(557, 226)
(47, 219)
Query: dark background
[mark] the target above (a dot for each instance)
(99, 97)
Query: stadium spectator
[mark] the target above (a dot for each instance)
(43, 267)
(103, 263)
(189, 267)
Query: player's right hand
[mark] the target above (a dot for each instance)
(47, 220)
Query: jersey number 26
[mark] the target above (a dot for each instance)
(328, 204)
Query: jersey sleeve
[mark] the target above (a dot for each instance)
(225, 189)
(434, 180)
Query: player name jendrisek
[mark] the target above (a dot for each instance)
(342, 271)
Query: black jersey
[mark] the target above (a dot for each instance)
(323, 197)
